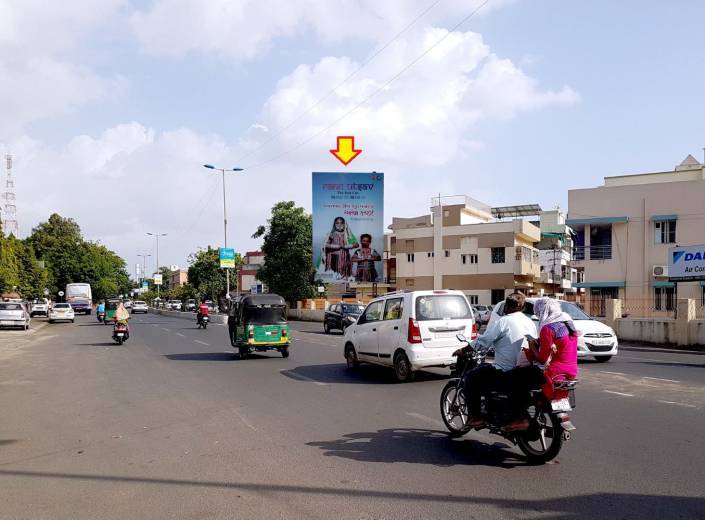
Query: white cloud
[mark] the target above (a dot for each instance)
(38, 76)
(240, 30)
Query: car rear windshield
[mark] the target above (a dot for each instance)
(61, 306)
(353, 309)
(10, 307)
(140, 303)
(445, 307)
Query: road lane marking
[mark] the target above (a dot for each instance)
(654, 360)
(618, 393)
(179, 334)
(661, 379)
(614, 373)
(167, 330)
(435, 422)
(677, 404)
(244, 420)
(294, 375)
(201, 342)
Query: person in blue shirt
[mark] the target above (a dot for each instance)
(100, 309)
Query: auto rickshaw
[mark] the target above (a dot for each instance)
(257, 323)
(111, 306)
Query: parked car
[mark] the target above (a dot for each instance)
(596, 339)
(127, 303)
(341, 315)
(61, 312)
(410, 331)
(212, 307)
(139, 306)
(14, 314)
(484, 311)
(191, 305)
(175, 305)
(39, 307)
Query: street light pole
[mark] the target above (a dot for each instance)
(144, 265)
(225, 219)
(157, 235)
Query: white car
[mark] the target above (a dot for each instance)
(410, 331)
(127, 303)
(596, 339)
(14, 314)
(484, 311)
(139, 306)
(39, 307)
(175, 305)
(61, 312)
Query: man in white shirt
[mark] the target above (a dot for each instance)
(507, 336)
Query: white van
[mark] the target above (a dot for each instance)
(410, 331)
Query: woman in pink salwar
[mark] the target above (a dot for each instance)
(337, 248)
(557, 348)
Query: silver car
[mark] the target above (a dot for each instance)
(14, 314)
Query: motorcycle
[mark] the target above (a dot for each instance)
(120, 333)
(549, 422)
(202, 321)
(100, 316)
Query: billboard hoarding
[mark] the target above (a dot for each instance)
(686, 263)
(227, 257)
(348, 226)
(157, 279)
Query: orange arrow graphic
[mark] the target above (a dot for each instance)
(346, 152)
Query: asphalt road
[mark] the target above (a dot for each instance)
(173, 425)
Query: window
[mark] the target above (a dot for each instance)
(447, 254)
(497, 295)
(664, 298)
(474, 299)
(393, 308)
(464, 259)
(473, 259)
(448, 307)
(431, 254)
(665, 231)
(497, 255)
(373, 311)
(410, 257)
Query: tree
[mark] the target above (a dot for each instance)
(288, 264)
(206, 275)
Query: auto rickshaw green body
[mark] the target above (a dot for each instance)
(111, 307)
(257, 323)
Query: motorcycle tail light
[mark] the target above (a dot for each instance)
(414, 335)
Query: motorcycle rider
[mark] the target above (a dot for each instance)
(507, 336)
(202, 310)
(100, 310)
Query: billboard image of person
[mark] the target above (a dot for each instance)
(348, 226)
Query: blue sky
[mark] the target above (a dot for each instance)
(111, 106)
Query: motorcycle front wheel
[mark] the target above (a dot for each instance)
(543, 440)
(454, 409)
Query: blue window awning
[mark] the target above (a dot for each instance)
(596, 220)
(661, 218)
(663, 283)
(599, 285)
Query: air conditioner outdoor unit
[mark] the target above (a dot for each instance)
(660, 271)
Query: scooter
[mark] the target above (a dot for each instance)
(202, 321)
(121, 333)
(100, 316)
(549, 422)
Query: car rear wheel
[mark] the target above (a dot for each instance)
(244, 351)
(402, 368)
(285, 352)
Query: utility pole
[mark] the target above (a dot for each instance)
(225, 219)
(9, 220)
(157, 235)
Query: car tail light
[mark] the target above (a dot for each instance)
(414, 335)
(284, 333)
(474, 331)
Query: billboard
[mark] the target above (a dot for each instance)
(227, 257)
(157, 279)
(686, 264)
(348, 226)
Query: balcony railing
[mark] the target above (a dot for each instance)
(592, 253)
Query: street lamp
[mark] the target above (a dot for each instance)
(225, 218)
(144, 265)
(157, 235)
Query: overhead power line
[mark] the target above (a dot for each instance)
(373, 94)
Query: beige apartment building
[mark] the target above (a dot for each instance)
(623, 232)
(469, 246)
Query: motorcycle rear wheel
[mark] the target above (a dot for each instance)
(454, 410)
(546, 446)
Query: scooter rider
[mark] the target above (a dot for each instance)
(507, 336)
(100, 310)
(202, 310)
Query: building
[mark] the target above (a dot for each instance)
(485, 252)
(624, 230)
(557, 276)
(177, 278)
(247, 275)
